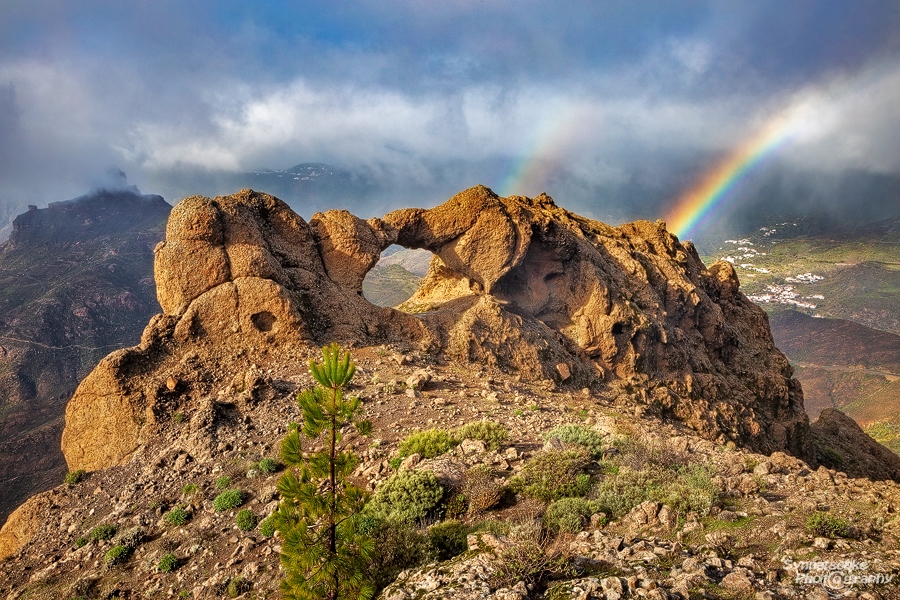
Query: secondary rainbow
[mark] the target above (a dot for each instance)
(696, 205)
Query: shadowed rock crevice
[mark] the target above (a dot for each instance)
(515, 284)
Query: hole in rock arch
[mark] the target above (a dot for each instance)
(263, 321)
(396, 276)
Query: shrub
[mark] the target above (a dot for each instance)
(130, 538)
(491, 433)
(237, 586)
(449, 539)
(480, 488)
(102, 532)
(228, 500)
(267, 527)
(406, 496)
(532, 556)
(689, 489)
(245, 520)
(395, 462)
(267, 466)
(619, 493)
(73, 477)
(223, 482)
(578, 435)
(116, 555)
(428, 444)
(554, 474)
(692, 491)
(190, 489)
(570, 515)
(81, 542)
(177, 516)
(399, 547)
(168, 563)
(824, 524)
(178, 417)
(640, 454)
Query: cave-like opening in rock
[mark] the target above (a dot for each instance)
(396, 276)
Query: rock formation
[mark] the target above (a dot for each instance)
(516, 284)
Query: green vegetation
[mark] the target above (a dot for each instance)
(481, 489)
(81, 542)
(177, 516)
(223, 482)
(325, 552)
(554, 474)
(449, 538)
(245, 520)
(428, 444)
(399, 546)
(116, 555)
(178, 417)
(267, 466)
(827, 525)
(237, 586)
(73, 477)
(407, 496)
(102, 532)
(190, 489)
(578, 435)
(228, 500)
(492, 434)
(267, 527)
(532, 556)
(168, 563)
(570, 514)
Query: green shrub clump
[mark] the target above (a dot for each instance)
(492, 434)
(449, 539)
(190, 489)
(102, 532)
(399, 546)
(177, 516)
(824, 524)
(245, 520)
(223, 482)
(267, 527)
(81, 542)
(168, 563)
(237, 586)
(578, 435)
(407, 496)
(685, 490)
(481, 489)
(267, 466)
(569, 515)
(228, 500)
(74, 477)
(428, 444)
(554, 474)
(116, 555)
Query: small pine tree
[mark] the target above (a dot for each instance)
(324, 553)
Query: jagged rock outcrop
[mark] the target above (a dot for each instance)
(517, 284)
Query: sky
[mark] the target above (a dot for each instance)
(617, 109)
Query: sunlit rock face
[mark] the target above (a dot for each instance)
(516, 284)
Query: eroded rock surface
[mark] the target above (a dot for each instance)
(517, 284)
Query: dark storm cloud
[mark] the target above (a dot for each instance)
(614, 103)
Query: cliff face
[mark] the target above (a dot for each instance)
(517, 285)
(75, 283)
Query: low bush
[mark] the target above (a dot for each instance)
(407, 496)
(554, 474)
(102, 532)
(639, 454)
(177, 516)
(245, 520)
(428, 444)
(237, 586)
(73, 477)
(449, 539)
(116, 555)
(685, 490)
(570, 515)
(492, 434)
(81, 542)
(398, 546)
(481, 489)
(228, 500)
(190, 490)
(827, 525)
(578, 435)
(168, 563)
(267, 466)
(267, 527)
(691, 491)
(223, 482)
(532, 556)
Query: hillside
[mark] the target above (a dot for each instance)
(76, 282)
(614, 419)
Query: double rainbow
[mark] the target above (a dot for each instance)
(695, 206)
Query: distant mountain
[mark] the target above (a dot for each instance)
(312, 184)
(76, 282)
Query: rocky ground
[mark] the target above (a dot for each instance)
(753, 541)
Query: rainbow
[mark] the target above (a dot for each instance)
(695, 206)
